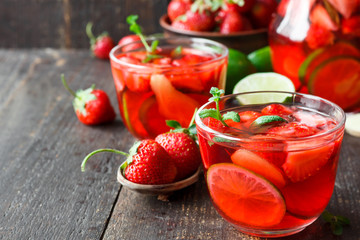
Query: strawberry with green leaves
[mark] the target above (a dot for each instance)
(147, 163)
(92, 106)
(180, 144)
(150, 164)
(100, 45)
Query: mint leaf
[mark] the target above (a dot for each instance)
(209, 113)
(267, 120)
(231, 115)
(336, 222)
(150, 57)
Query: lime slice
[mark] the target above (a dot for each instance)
(243, 196)
(261, 59)
(269, 81)
(352, 125)
(337, 80)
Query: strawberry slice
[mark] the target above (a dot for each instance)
(138, 82)
(351, 26)
(259, 165)
(301, 165)
(214, 124)
(247, 117)
(152, 120)
(309, 198)
(345, 7)
(173, 104)
(292, 129)
(319, 36)
(321, 17)
(276, 109)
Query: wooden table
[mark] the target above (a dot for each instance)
(44, 195)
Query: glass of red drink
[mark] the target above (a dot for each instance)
(167, 87)
(316, 43)
(273, 173)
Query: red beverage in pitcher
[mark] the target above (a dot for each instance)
(316, 43)
(273, 173)
(169, 86)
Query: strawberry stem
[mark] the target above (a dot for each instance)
(98, 151)
(89, 33)
(67, 86)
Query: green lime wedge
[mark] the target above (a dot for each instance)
(238, 67)
(261, 59)
(269, 81)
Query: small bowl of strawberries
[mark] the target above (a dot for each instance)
(159, 166)
(238, 24)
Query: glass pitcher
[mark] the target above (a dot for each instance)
(316, 43)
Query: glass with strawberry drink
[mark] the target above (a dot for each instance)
(270, 158)
(316, 43)
(160, 79)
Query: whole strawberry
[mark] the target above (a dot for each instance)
(183, 149)
(150, 165)
(177, 8)
(101, 45)
(92, 106)
(147, 163)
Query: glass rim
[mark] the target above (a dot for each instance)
(224, 53)
(340, 124)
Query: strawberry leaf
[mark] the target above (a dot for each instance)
(82, 98)
(192, 130)
(173, 124)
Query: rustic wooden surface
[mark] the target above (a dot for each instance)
(61, 23)
(44, 195)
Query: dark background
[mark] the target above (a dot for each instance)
(61, 23)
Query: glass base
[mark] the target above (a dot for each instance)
(273, 233)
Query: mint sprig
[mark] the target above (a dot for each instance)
(135, 28)
(337, 223)
(215, 113)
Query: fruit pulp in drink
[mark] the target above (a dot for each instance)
(169, 86)
(280, 175)
(316, 43)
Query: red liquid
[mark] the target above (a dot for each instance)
(186, 78)
(317, 45)
(302, 173)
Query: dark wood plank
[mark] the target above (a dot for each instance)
(43, 193)
(45, 196)
(190, 215)
(61, 24)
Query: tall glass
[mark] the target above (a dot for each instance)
(274, 179)
(316, 43)
(167, 88)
